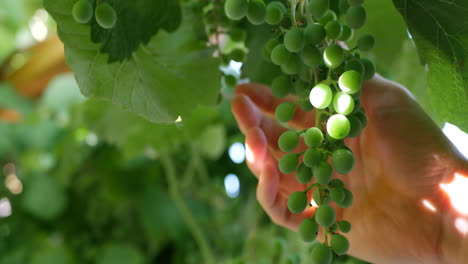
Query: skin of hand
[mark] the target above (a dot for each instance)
(401, 158)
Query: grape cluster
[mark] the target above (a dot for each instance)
(105, 14)
(326, 77)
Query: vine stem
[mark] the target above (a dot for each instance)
(170, 172)
(318, 114)
(293, 12)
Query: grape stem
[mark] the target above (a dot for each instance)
(318, 113)
(293, 12)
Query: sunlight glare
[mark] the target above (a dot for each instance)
(37, 25)
(232, 185)
(456, 190)
(461, 224)
(429, 205)
(237, 152)
(5, 207)
(249, 154)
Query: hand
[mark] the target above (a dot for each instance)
(401, 158)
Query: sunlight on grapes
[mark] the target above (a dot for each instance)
(5, 207)
(313, 203)
(232, 185)
(429, 205)
(237, 152)
(92, 139)
(457, 191)
(37, 25)
(249, 154)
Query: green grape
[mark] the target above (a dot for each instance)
(274, 13)
(321, 96)
(355, 2)
(365, 43)
(321, 254)
(338, 126)
(369, 69)
(337, 195)
(256, 12)
(237, 34)
(346, 33)
(344, 226)
(329, 16)
(348, 200)
(336, 183)
(280, 55)
(306, 105)
(311, 157)
(333, 56)
(333, 29)
(355, 126)
(288, 141)
(355, 17)
(281, 86)
(325, 216)
(321, 196)
(237, 55)
(297, 202)
(339, 244)
(288, 163)
(293, 65)
(357, 104)
(343, 6)
(343, 161)
(322, 172)
(301, 88)
(236, 9)
(294, 40)
(82, 11)
(350, 82)
(313, 137)
(318, 8)
(361, 115)
(308, 230)
(230, 80)
(311, 56)
(105, 15)
(314, 33)
(293, 259)
(269, 46)
(284, 112)
(303, 174)
(343, 103)
(354, 65)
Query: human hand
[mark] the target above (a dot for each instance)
(401, 158)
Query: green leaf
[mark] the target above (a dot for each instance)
(161, 81)
(441, 36)
(137, 22)
(120, 254)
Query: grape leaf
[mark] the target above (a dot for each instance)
(441, 36)
(161, 81)
(137, 22)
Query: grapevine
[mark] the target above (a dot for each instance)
(326, 77)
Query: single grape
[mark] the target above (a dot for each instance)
(311, 157)
(333, 56)
(313, 137)
(294, 40)
(236, 9)
(338, 126)
(321, 196)
(256, 12)
(280, 55)
(357, 103)
(306, 105)
(303, 174)
(333, 29)
(321, 254)
(365, 42)
(355, 2)
(269, 46)
(237, 54)
(105, 15)
(314, 33)
(322, 172)
(288, 141)
(321, 96)
(288, 163)
(293, 65)
(339, 244)
(346, 33)
(361, 115)
(281, 86)
(350, 82)
(308, 230)
(343, 161)
(369, 69)
(274, 13)
(237, 34)
(337, 195)
(325, 216)
(354, 65)
(336, 183)
(297, 202)
(344, 226)
(343, 103)
(82, 11)
(230, 80)
(355, 126)
(284, 112)
(355, 17)
(329, 16)
(318, 8)
(348, 200)
(311, 56)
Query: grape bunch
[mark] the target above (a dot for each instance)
(325, 77)
(105, 14)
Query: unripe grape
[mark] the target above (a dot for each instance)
(274, 13)
(314, 33)
(361, 115)
(343, 103)
(236, 9)
(237, 34)
(338, 126)
(355, 65)
(325, 216)
(333, 29)
(281, 86)
(288, 163)
(82, 11)
(339, 244)
(321, 254)
(288, 141)
(313, 137)
(256, 12)
(293, 65)
(230, 80)
(280, 55)
(355, 2)
(355, 126)
(294, 40)
(369, 69)
(269, 46)
(333, 56)
(322, 172)
(306, 105)
(311, 56)
(237, 54)
(329, 16)
(366, 42)
(350, 82)
(321, 196)
(337, 195)
(336, 183)
(105, 15)
(303, 174)
(344, 226)
(311, 157)
(308, 230)
(297, 202)
(318, 8)
(343, 161)
(355, 17)
(284, 112)
(321, 96)
(346, 33)
(348, 200)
